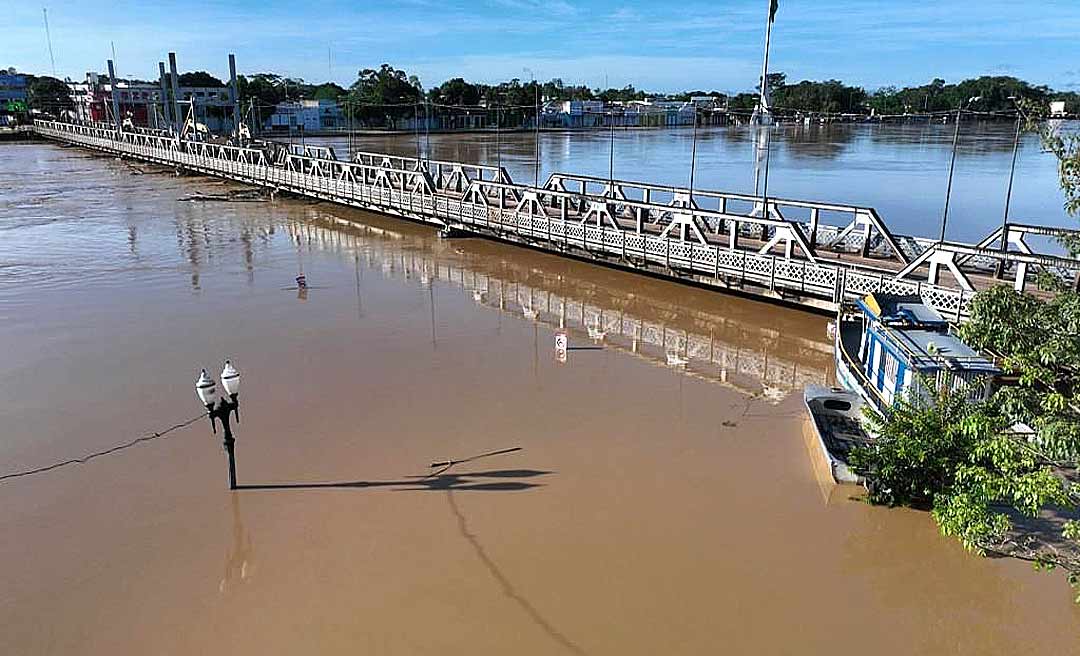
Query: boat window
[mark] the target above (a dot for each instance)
(834, 404)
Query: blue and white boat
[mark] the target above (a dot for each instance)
(887, 346)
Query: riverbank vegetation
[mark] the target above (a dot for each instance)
(388, 92)
(1001, 475)
(388, 86)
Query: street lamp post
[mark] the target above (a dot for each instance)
(999, 270)
(536, 137)
(952, 165)
(611, 154)
(207, 392)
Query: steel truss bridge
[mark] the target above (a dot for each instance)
(804, 253)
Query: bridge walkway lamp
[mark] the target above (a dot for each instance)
(223, 410)
(999, 270)
(952, 164)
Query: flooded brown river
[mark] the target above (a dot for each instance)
(651, 509)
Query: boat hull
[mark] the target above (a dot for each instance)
(822, 424)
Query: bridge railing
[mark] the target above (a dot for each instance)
(542, 217)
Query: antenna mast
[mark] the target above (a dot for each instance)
(48, 40)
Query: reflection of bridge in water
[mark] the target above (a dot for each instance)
(744, 348)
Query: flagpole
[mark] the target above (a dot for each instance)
(763, 100)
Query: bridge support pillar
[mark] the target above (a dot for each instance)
(114, 92)
(175, 83)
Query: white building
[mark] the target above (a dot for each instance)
(308, 115)
(579, 107)
(142, 102)
(1057, 108)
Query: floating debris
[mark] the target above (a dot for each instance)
(242, 196)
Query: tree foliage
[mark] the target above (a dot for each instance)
(831, 96)
(387, 85)
(328, 91)
(1040, 343)
(624, 94)
(989, 468)
(48, 94)
(268, 89)
(199, 79)
(385, 92)
(456, 92)
(993, 92)
(1065, 145)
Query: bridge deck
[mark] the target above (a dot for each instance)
(803, 253)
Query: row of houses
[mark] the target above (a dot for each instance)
(318, 115)
(142, 102)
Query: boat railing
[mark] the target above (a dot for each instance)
(856, 367)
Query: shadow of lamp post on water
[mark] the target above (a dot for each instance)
(207, 392)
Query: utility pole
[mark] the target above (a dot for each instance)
(952, 165)
(416, 129)
(763, 111)
(115, 94)
(166, 109)
(693, 160)
(175, 82)
(611, 154)
(235, 90)
(536, 162)
(999, 271)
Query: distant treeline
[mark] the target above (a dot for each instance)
(990, 94)
(388, 92)
(396, 92)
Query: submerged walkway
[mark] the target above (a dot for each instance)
(805, 253)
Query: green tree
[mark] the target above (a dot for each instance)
(199, 79)
(620, 95)
(994, 94)
(984, 482)
(989, 469)
(48, 94)
(380, 96)
(328, 91)
(1065, 145)
(831, 96)
(268, 89)
(456, 91)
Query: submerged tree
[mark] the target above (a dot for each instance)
(1001, 476)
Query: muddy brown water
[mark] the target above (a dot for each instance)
(651, 509)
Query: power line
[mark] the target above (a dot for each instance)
(98, 454)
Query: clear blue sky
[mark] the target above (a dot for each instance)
(656, 45)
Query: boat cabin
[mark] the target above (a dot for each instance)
(893, 344)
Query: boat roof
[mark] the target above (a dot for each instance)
(898, 307)
(930, 350)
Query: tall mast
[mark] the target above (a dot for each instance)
(763, 91)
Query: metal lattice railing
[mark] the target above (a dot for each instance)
(795, 279)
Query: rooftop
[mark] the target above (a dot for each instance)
(922, 334)
(932, 350)
(889, 308)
